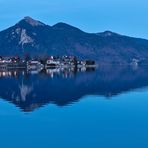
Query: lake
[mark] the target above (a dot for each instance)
(103, 107)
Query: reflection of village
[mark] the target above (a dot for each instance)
(65, 66)
(52, 72)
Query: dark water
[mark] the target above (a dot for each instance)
(107, 107)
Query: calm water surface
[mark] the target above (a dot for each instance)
(104, 108)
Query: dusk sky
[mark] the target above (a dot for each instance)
(127, 17)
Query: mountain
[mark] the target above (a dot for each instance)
(33, 37)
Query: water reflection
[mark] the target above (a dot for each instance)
(30, 90)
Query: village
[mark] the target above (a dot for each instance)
(46, 63)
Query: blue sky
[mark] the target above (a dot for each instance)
(127, 17)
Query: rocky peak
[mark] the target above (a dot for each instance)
(31, 21)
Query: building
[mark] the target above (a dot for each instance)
(9, 60)
(33, 65)
(53, 62)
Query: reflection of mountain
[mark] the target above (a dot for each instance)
(32, 91)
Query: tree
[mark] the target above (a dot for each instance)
(27, 57)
